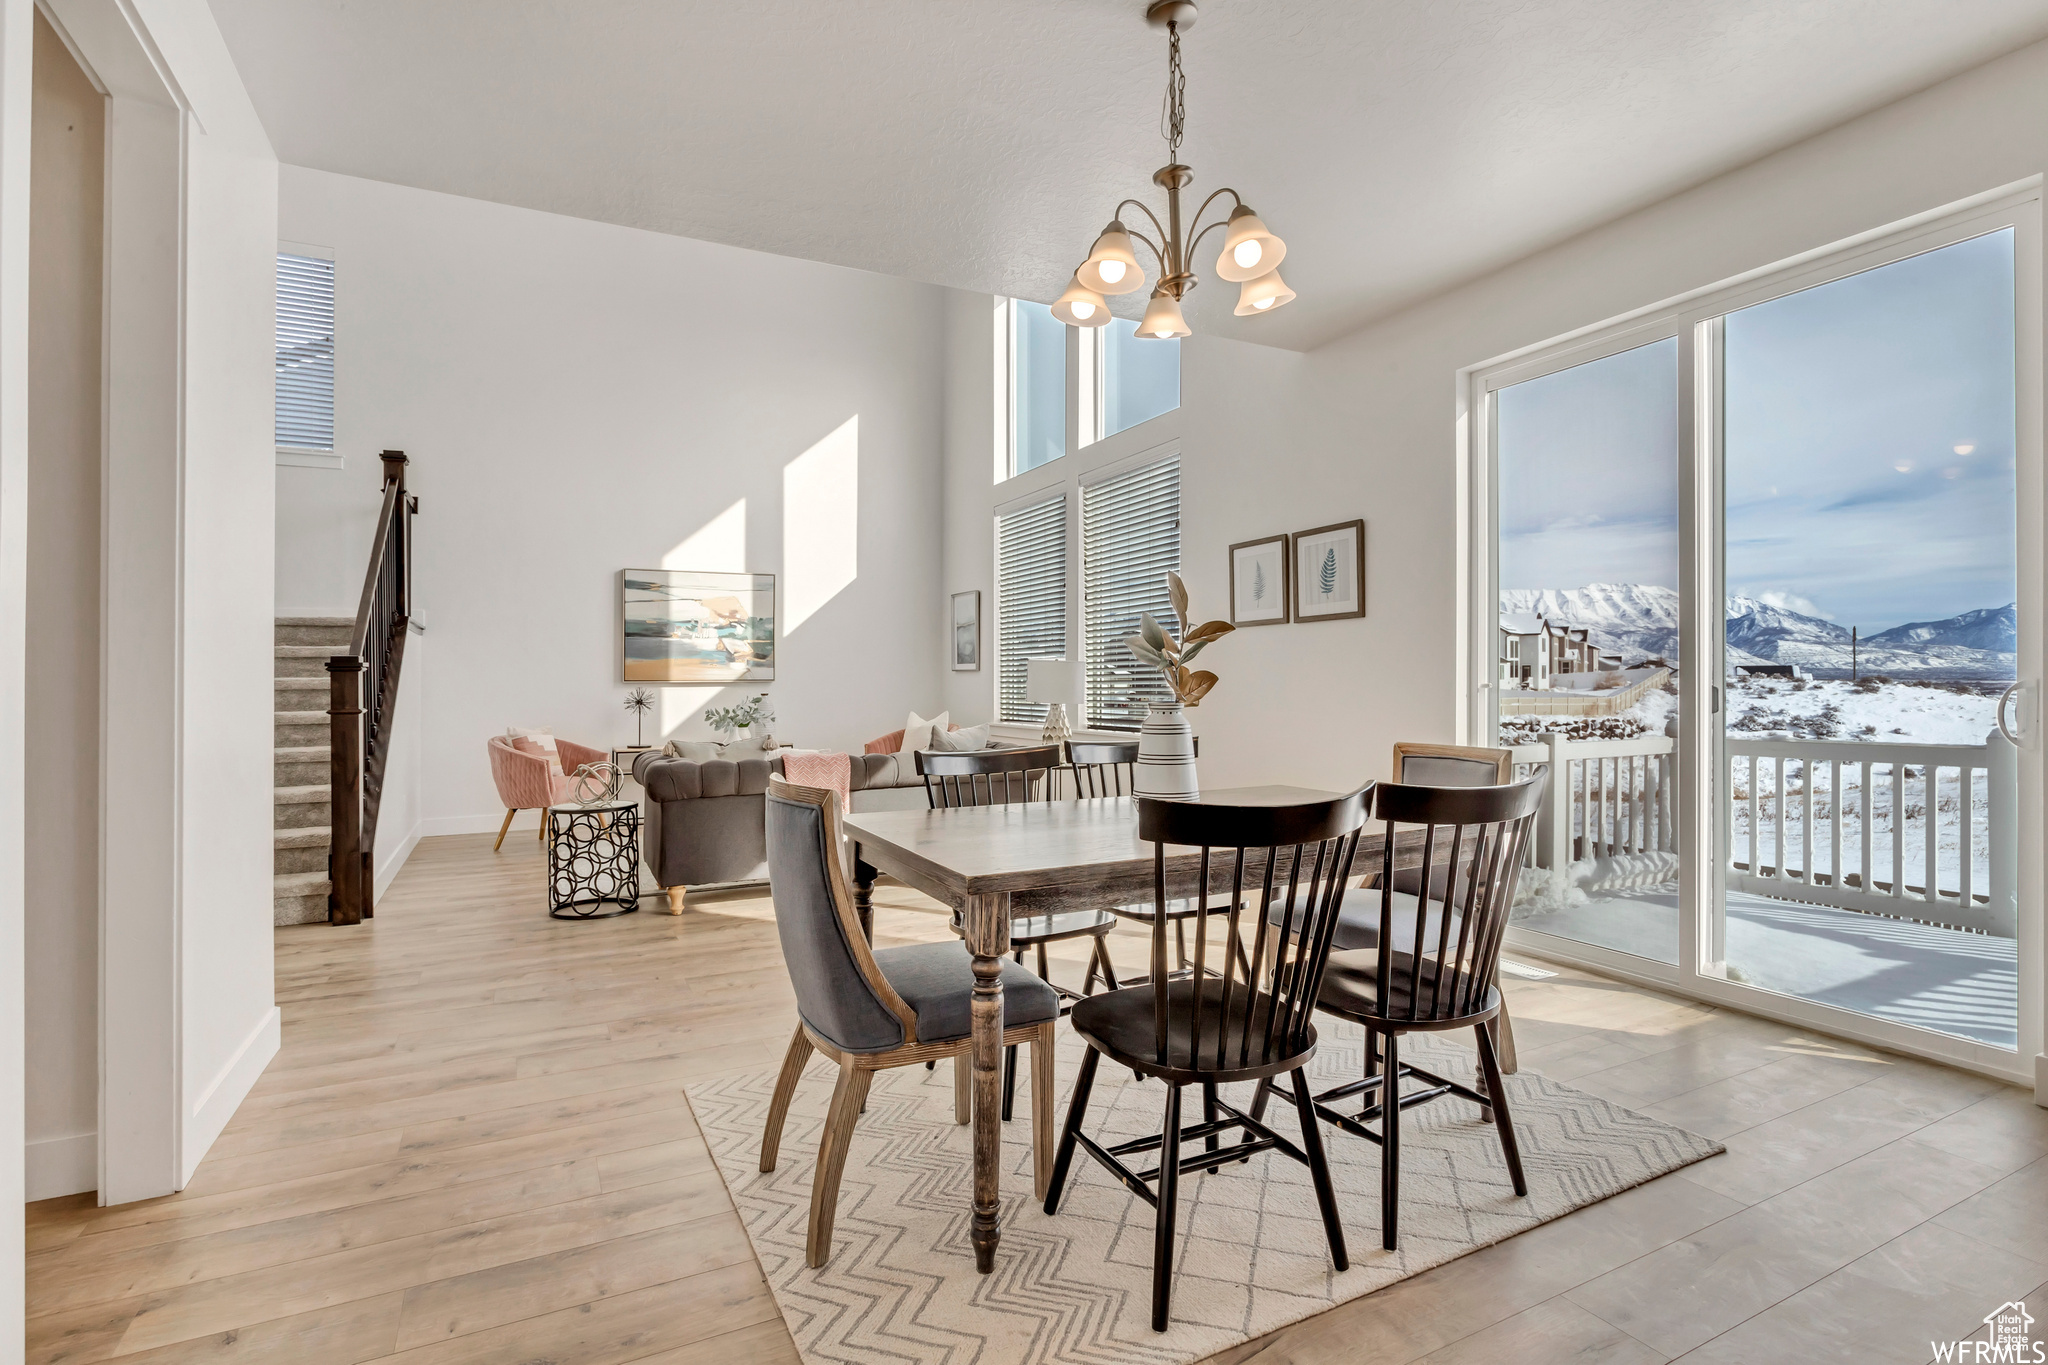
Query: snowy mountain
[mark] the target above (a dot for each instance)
(1993, 628)
(1634, 620)
(1638, 621)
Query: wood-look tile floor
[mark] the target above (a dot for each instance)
(474, 1147)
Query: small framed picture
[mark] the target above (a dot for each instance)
(1329, 572)
(966, 632)
(1259, 582)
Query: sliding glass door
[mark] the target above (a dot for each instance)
(1758, 579)
(1869, 800)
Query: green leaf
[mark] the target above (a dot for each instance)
(1155, 634)
(1188, 652)
(1139, 647)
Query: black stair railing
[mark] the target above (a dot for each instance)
(362, 690)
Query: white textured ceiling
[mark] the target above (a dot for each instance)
(1399, 146)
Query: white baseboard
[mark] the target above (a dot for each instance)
(528, 820)
(218, 1102)
(389, 865)
(65, 1165)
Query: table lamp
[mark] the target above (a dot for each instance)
(1054, 682)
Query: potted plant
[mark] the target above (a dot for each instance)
(737, 721)
(1166, 743)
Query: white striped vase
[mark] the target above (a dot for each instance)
(1166, 755)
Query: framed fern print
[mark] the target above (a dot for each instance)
(1259, 582)
(1329, 572)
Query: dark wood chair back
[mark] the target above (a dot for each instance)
(1473, 842)
(1300, 858)
(988, 777)
(1102, 767)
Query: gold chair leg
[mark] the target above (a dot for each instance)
(542, 835)
(501, 830)
(785, 1086)
(675, 898)
(1041, 1109)
(963, 1087)
(848, 1094)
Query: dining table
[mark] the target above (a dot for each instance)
(993, 863)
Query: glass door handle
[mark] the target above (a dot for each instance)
(2003, 698)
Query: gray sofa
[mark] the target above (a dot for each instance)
(704, 823)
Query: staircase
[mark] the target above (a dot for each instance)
(303, 833)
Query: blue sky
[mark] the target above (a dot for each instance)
(1847, 494)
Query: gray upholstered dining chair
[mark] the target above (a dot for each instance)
(873, 1009)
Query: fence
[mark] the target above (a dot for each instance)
(1606, 797)
(1836, 822)
(1562, 701)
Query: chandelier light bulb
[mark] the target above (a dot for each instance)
(1113, 247)
(1162, 317)
(1262, 295)
(1249, 251)
(1081, 306)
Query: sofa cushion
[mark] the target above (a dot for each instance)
(937, 980)
(917, 731)
(678, 779)
(958, 740)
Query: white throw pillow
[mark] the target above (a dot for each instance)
(543, 737)
(917, 731)
(964, 740)
(696, 751)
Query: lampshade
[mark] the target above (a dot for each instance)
(1262, 295)
(1081, 306)
(1162, 317)
(1048, 680)
(1111, 253)
(1246, 236)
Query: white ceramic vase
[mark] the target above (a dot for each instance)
(1166, 755)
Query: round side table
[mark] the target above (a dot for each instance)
(593, 860)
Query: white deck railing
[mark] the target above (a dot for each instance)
(1606, 797)
(1837, 822)
(1923, 831)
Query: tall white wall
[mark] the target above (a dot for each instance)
(579, 398)
(1366, 426)
(61, 740)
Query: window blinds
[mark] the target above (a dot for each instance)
(1130, 537)
(305, 352)
(1031, 601)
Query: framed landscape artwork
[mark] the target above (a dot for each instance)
(1329, 572)
(966, 631)
(1258, 582)
(681, 627)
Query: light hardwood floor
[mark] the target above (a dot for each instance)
(474, 1147)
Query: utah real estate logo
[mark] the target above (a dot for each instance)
(2008, 1340)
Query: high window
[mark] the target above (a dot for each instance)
(305, 354)
(1130, 538)
(1135, 380)
(1038, 386)
(1031, 600)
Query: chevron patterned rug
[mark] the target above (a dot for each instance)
(1076, 1286)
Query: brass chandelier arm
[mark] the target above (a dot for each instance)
(1158, 250)
(1237, 201)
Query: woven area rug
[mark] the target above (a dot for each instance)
(1076, 1286)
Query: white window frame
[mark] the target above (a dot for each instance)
(306, 457)
(1086, 397)
(1694, 319)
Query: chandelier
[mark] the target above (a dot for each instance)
(1251, 255)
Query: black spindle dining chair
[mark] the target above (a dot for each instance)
(1433, 968)
(1215, 1029)
(1002, 777)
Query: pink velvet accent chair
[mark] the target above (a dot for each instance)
(525, 782)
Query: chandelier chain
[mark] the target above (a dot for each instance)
(1174, 113)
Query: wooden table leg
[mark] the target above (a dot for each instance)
(864, 895)
(986, 920)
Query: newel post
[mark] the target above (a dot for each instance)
(345, 738)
